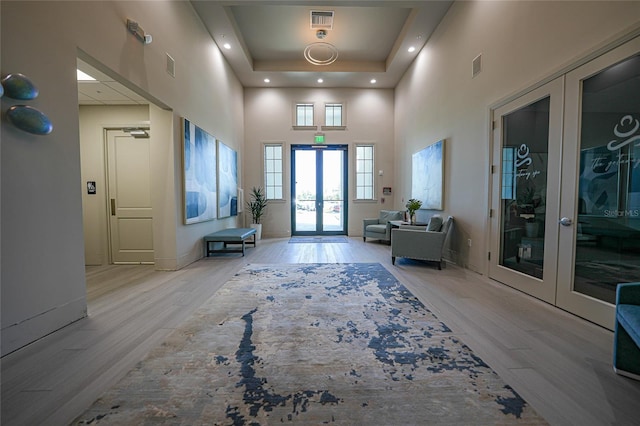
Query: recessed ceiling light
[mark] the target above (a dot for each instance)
(373, 81)
(226, 46)
(320, 80)
(266, 80)
(82, 76)
(412, 49)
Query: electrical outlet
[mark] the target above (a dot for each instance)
(469, 242)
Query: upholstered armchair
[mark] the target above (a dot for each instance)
(421, 242)
(380, 228)
(626, 342)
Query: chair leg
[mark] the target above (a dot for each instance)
(393, 260)
(440, 266)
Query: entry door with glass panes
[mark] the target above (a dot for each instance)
(525, 191)
(600, 244)
(319, 189)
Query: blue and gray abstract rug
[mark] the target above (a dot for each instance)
(312, 344)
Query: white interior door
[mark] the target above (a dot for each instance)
(526, 190)
(129, 192)
(601, 184)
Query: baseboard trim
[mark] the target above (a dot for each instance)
(27, 331)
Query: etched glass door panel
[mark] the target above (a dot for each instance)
(601, 174)
(523, 197)
(525, 191)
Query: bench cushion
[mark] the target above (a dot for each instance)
(230, 235)
(629, 319)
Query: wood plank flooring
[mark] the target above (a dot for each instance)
(559, 363)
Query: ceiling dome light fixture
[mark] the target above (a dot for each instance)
(321, 53)
(373, 81)
(411, 49)
(266, 80)
(320, 80)
(226, 46)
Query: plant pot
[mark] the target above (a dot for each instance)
(258, 228)
(531, 229)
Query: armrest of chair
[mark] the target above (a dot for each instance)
(418, 236)
(418, 244)
(414, 227)
(367, 222)
(628, 294)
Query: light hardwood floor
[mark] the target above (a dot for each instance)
(557, 362)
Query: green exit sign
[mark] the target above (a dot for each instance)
(319, 138)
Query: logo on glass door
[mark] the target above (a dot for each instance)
(627, 122)
(523, 162)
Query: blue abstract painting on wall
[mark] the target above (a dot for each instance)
(199, 158)
(427, 176)
(227, 181)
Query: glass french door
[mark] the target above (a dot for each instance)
(565, 223)
(601, 197)
(319, 189)
(526, 191)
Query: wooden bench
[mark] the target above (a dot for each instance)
(229, 236)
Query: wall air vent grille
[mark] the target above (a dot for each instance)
(476, 66)
(171, 66)
(322, 19)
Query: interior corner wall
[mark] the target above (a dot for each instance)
(43, 276)
(521, 43)
(269, 116)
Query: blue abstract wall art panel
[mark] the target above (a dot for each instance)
(228, 181)
(427, 176)
(199, 158)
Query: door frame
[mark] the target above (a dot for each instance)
(107, 131)
(319, 173)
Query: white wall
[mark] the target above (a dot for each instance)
(521, 43)
(269, 118)
(43, 283)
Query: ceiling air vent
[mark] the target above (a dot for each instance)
(322, 19)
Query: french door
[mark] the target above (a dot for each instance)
(602, 196)
(526, 191)
(319, 189)
(566, 187)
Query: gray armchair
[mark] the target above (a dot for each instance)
(380, 228)
(421, 242)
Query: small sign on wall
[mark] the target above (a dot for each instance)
(386, 190)
(91, 187)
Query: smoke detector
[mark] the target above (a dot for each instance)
(321, 34)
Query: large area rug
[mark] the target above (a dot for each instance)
(312, 344)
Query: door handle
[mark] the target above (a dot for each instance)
(113, 207)
(565, 221)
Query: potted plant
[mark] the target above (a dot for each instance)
(526, 204)
(412, 206)
(257, 206)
